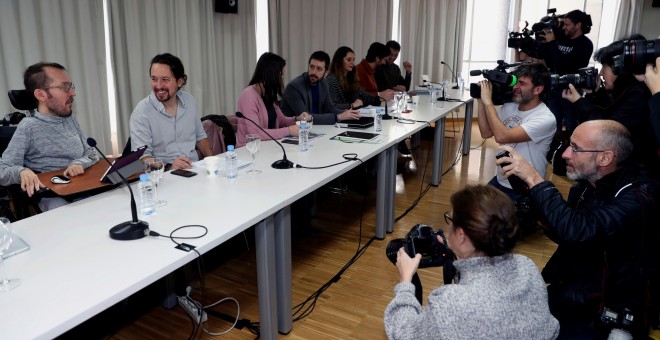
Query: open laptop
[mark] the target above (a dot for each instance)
(362, 123)
(17, 246)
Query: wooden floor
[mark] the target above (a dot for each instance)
(351, 308)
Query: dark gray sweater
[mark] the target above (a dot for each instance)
(44, 143)
(502, 297)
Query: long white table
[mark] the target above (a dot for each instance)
(74, 270)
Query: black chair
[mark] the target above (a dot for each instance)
(22, 100)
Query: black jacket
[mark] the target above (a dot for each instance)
(607, 240)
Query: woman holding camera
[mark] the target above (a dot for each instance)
(620, 97)
(496, 294)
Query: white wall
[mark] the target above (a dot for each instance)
(650, 27)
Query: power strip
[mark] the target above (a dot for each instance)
(192, 309)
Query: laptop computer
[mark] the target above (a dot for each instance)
(362, 123)
(17, 246)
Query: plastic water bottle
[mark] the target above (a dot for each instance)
(303, 137)
(378, 120)
(231, 162)
(146, 196)
(461, 83)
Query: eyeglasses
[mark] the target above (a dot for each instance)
(448, 218)
(576, 149)
(66, 87)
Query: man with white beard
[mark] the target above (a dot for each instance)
(606, 232)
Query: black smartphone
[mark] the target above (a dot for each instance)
(290, 141)
(184, 173)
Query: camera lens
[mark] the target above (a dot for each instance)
(638, 53)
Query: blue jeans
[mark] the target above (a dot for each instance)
(509, 192)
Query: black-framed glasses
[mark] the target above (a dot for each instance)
(66, 87)
(577, 150)
(448, 218)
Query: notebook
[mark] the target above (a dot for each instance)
(362, 123)
(17, 246)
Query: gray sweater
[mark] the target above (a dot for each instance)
(44, 143)
(500, 297)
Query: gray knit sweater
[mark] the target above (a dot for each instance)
(501, 297)
(44, 143)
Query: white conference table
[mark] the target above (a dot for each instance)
(74, 271)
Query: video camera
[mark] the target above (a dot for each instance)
(585, 79)
(422, 239)
(528, 40)
(503, 82)
(635, 55)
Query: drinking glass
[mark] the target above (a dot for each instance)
(253, 143)
(5, 241)
(155, 169)
(431, 88)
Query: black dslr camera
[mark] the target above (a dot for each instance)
(518, 185)
(584, 79)
(422, 239)
(503, 82)
(635, 55)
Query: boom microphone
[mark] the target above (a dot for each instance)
(283, 163)
(130, 230)
(452, 74)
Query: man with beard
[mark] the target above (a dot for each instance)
(606, 232)
(309, 94)
(167, 121)
(527, 124)
(50, 140)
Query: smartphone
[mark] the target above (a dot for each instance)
(184, 173)
(290, 141)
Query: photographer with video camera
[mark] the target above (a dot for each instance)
(565, 55)
(496, 294)
(604, 274)
(526, 124)
(620, 97)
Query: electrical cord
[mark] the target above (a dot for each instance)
(238, 313)
(348, 157)
(200, 265)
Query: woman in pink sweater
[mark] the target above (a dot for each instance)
(260, 102)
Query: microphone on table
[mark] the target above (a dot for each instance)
(283, 163)
(130, 230)
(452, 74)
(386, 116)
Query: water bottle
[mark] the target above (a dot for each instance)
(146, 195)
(461, 83)
(378, 120)
(231, 162)
(303, 137)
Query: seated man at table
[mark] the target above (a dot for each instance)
(50, 140)
(388, 75)
(377, 54)
(167, 121)
(308, 93)
(526, 124)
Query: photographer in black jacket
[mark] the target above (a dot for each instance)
(566, 55)
(621, 98)
(607, 232)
